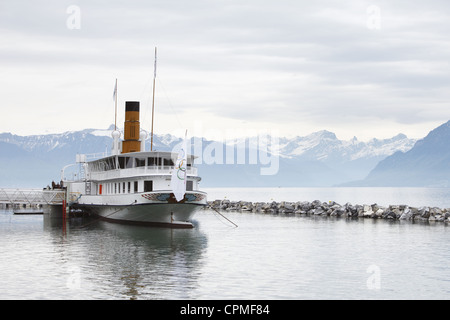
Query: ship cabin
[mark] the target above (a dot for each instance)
(135, 172)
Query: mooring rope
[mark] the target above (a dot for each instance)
(224, 217)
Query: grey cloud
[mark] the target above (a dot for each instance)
(258, 60)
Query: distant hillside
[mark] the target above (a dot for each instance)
(427, 164)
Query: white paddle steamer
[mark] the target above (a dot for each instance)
(133, 185)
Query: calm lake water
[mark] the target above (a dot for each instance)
(267, 257)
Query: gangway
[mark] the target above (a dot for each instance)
(32, 196)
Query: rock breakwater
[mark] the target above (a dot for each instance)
(333, 209)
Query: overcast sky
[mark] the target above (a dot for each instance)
(357, 68)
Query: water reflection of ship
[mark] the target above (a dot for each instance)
(134, 263)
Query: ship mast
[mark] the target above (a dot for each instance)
(115, 99)
(153, 103)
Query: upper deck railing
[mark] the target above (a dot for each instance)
(137, 171)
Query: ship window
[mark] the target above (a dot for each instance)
(129, 162)
(154, 161)
(148, 186)
(121, 163)
(135, 187)
(129, 187)
(168, 162)
(189, 185)
(123, 187)
(126, 162)
(140, 162)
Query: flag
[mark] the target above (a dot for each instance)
(178, 181)
(115, 91)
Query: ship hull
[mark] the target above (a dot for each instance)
(157, 209)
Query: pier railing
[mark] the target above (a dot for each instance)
(31, 196)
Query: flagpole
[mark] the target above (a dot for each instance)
(153, 103)
(115, 117)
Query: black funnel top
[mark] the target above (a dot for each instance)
(132, 106)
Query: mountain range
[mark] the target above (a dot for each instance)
(426, 164)
(316, 160)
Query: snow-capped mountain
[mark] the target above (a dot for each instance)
(426, 164)
(324, 145)
(321, 159)
(318, 159)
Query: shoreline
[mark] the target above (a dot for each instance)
(334, 209)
